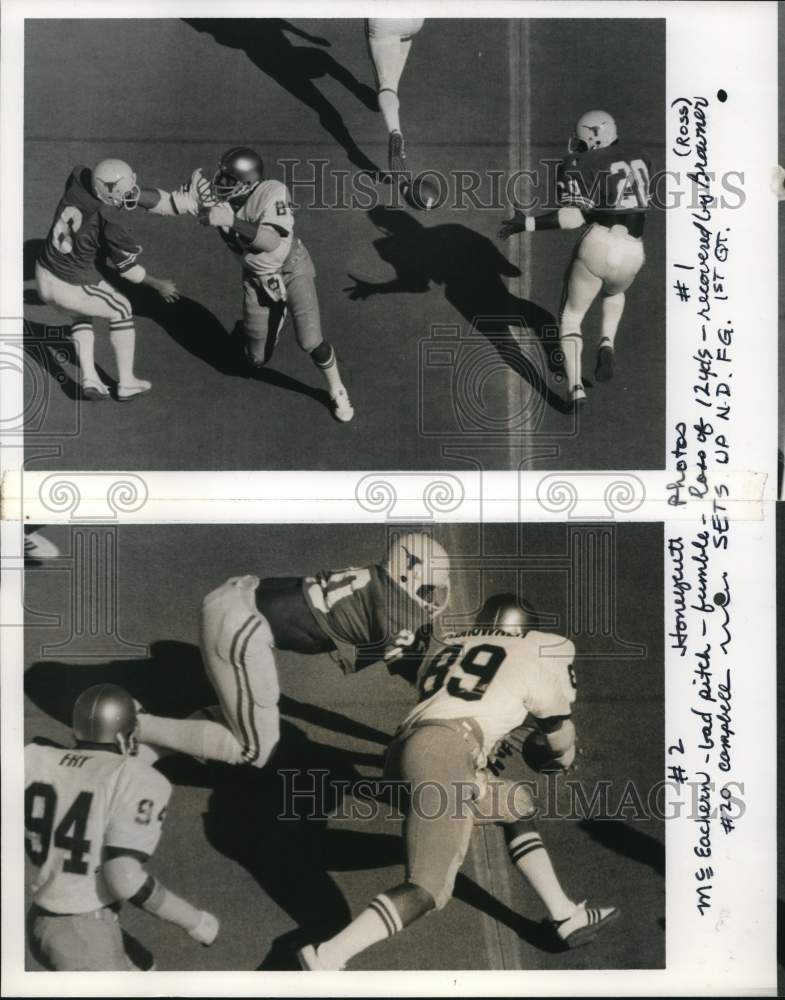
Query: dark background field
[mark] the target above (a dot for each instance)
(274, 884)
(481, 95)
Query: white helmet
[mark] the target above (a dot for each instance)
(421, 568)
(595, 130)
(115, 184)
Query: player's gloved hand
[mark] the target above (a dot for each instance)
(201, 186)
(165, 288)
(219, 216)
(206, 931)
(360, 290)
(517, 224)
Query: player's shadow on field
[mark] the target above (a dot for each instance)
(470, 268)
(626, 839)
(295, 67)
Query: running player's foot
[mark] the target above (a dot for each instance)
(309, 960)
(606, 362)
(140, 387)
(342, 406)
(585, 923)
(206, 931)
(39, 548)
(94, 389)
(577, 395)
(396, 154)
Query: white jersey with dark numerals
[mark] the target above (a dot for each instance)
(496, 679)
(269, 204)
(78, 804)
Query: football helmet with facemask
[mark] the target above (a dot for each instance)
(106, 713)
(595, 130)
(114, 183)
(421, 568)
(508, 614)
(240, 170)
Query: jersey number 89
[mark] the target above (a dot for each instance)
(468, 679)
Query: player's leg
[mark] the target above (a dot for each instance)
(90, 942)
(389, 42)
(623, 264)
(122, 335)
(436, 764)
(237, 648)
(581, 289)
(303, 303)
(575, 923)
(262, 323)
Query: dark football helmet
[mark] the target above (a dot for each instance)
(507, 613)
(105, 713)
(239, 171)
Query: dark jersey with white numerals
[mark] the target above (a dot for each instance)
(610, 185)
(84, 230)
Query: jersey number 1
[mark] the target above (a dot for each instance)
(69, 835)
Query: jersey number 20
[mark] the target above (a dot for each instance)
(69, 835)
(479, 665)
(632, 186)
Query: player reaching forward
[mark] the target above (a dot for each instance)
(359, 615)
(389, 41)
(603, 183)
(93, 818)
(89, 227)
(475, 689)
(254, 218)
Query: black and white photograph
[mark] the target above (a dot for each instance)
(284, 746)
(424, 243)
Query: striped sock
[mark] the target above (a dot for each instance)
(378, 921)
(84, 342)
(123, 337)
(329, 369)
(529, 856)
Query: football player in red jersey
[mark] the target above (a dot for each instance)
(359, 615)
(389, 42)
(254, 217)
(476, 686)
(93, 819)
(602, 183)
(88, 227)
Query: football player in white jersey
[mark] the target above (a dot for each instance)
(478, 686)
(93, 818)
(254, 218)
(389, 42)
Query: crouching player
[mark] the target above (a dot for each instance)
(93, 818)
(89, 227)
(359, 616)
(475, 689)
(254, 218)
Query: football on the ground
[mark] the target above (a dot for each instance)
(537, 754)
(424, 194)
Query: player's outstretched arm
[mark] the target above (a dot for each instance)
(260, 238)
(127, 880)
(560, 736)
(189, 199)
(567, 217)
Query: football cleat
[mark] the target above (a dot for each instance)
(342, 406)
(396, 154)
(595, 130)
(421, 568)
(125, 393)
(206, 931)
(309, 960)
(507, 613)
(39, 548)
(240, 170)
(94, 389)
(606, 362)
(105, 713)
(585, 924)
(114, 183)
(577, 395)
